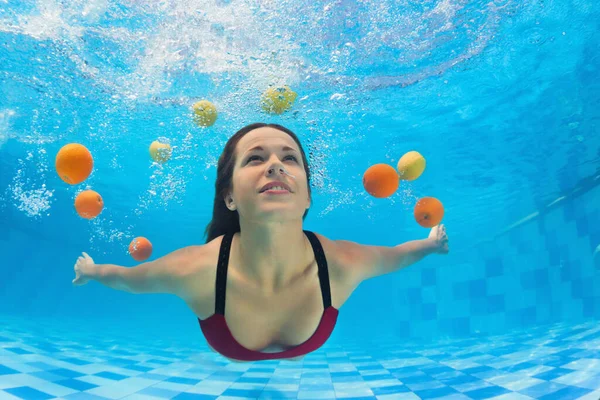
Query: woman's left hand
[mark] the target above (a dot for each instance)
(440, 238)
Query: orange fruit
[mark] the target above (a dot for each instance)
(140, 248)
(381, 180)
(88, 204)
(74, 163)
(429, 212)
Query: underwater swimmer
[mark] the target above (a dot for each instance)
(261, 286)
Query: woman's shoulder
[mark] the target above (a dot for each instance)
(202, 258)
(340, 255)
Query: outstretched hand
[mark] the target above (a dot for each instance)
(440, 238)
(82, 268)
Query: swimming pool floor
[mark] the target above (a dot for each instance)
(48, 361)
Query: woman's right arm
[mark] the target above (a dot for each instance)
(169, 274)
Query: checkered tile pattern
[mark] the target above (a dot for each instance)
(540, 272)
(67, 360)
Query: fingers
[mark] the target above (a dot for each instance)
(86, 255)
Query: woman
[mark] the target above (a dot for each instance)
(283, 286)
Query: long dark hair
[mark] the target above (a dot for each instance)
(224, 220)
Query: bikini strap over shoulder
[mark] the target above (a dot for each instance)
(323, 270)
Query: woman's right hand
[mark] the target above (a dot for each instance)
(82, 269)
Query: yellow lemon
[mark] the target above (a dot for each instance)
(411, 166)
(278, 99)
(205, 113)
(160, 152)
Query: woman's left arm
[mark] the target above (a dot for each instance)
(366, 261)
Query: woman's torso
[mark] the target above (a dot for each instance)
(268, 322)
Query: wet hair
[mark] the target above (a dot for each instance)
(223, 219)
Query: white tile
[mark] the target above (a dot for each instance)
(317, 394)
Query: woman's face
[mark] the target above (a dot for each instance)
(260, 156)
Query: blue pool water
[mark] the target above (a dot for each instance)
(501, 97)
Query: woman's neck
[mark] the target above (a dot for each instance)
(273, 254)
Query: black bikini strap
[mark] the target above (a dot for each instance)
(323, 271)
(221, 284)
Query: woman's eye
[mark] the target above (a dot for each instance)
(254, 157)
(292, 157)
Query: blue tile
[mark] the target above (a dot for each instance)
(534, 279)
(76, 384)
(428, 276)
(194, 396)
(435, 393)
(284, 380)
(568, 393)
(407, 380)
(158, 361)
(27, 393)
(378, 391)
(414, 295)
(553, 374)
(429, 311)
(348, 378)
(309, 366)
(439, 369)
(4, 370)
(315, 374)
(84, 396)
(244, 379)
(111, 375)
(225, 376)
(589, 307)
(378, 377)
(495, 303)
(76, 361)
(345, 374)
(478, 370)
(459, 380)
(67, 373)
(316, 386)
(139, 368)
(541, 277)
(460, 290)
(542, 389)
(577, 288)
(185, 381)
(487, 392)
(278, 394)
(271, 370)
(402, 328)
(581, 224)
(568, 206)
(253, 394)
(520, 366)
(478, 307)
(494, 267)
(17, 350)
(459, 326)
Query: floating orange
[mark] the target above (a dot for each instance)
(74, 163)
(140, 248)
(429, 212)
(381, 180)
(88, 204)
